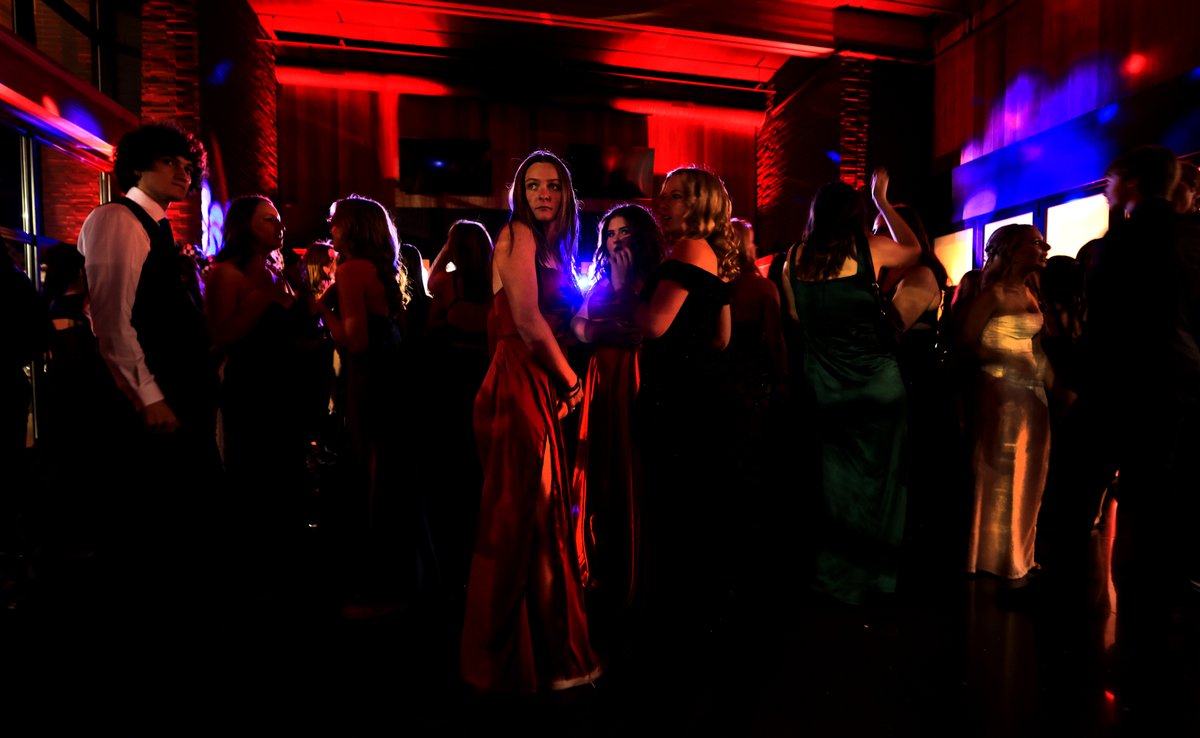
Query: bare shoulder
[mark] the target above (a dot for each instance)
(920, 276)
(695, 252)
(355, 271)
(225, 274)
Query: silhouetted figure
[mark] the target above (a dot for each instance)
(147, 314)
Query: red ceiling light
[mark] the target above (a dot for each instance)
(400, 84)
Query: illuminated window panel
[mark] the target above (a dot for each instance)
(990, 228)
(1072, 224)
(955, 252)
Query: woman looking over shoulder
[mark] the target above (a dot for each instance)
(681, 410)
(525, 628)
(854, 395)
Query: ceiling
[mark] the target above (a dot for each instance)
(715, 51)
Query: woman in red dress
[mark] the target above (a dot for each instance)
(604, 484)
(525, 627)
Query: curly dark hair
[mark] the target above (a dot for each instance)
(647, 241)
(138, 149)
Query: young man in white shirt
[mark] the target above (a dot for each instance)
(147, 313)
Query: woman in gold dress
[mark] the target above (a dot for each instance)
(1012, 421)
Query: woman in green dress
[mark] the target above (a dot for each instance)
(851, 388)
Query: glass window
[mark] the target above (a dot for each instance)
(70, 190)
(955, 252)
(10, 181)
(1072, 224)
(990, 228)
(63, 42)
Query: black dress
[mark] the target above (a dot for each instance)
(939, 475)
(679, 418)
(264, 439)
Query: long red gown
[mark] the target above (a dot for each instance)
(525, 627)
(604, 482)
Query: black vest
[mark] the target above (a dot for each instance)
(168, 315)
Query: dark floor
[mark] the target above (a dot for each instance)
(952, 656)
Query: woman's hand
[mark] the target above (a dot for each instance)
(570, 398)
(879, 184)
(620, 260)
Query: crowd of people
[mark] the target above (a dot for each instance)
(625, 465)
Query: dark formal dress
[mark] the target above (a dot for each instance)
(385, 509)
(938, 509)
(264, 434)
(525, 626)
(681, 419)
(605, 484)
(857, 417)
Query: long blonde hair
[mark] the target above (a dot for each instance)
(708, 215)
(371, 235)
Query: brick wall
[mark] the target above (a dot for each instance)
(171, 84)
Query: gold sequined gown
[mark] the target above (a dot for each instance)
(1012, 448)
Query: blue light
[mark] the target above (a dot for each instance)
(82, 117)
(1194, 75)
(220, 72)
(585, 278)
(437, 163)
(1106, 113)
(212, 221)
(982, 201)
(834, 157)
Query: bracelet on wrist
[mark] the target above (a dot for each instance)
(573, 389)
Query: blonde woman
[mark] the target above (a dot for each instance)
(1012, 433)
(681, 411)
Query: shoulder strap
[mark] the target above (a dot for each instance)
(863, 247)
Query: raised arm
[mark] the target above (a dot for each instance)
(902, 249)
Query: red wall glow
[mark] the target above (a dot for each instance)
(1135, 64)
(393, 83)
